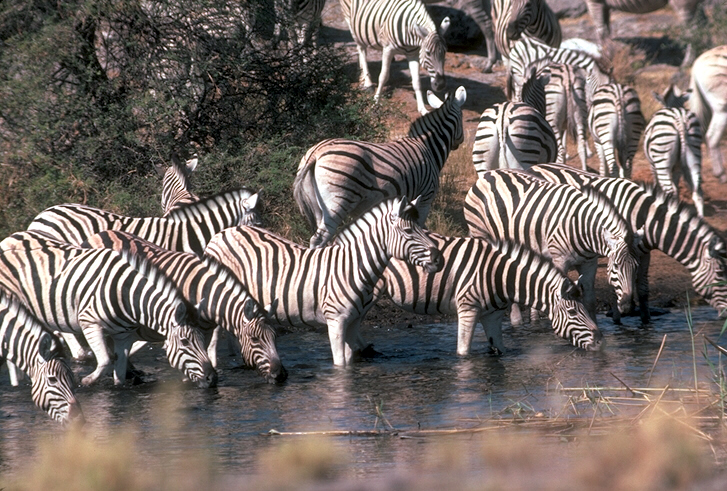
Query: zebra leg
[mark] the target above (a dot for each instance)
(77, 351)
(387, 56)
(365, 77)
(492, 322)
(416, 84)
(211, 339)
(600, 15)
(337, 338)
(712, 137)
(642, 288)
(587, 271)
(94, 336)
(466, 320)
(516, 316)
(16, 376)
(122, 347)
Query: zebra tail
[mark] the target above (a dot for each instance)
(304, 188)
(699, 106)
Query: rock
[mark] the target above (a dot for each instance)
(568, 8)
(463, 32)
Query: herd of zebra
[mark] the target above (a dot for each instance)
(207, 268)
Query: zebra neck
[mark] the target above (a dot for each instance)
(364, 243)
(436, 130)
(19, 337)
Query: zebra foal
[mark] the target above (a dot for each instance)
(673, 146)
(398, 27)
(221, 300)
(571, 227)
(102, 292)
(338, 178)
(35, 350)
(668, 225)
(332, 286)
(479, 280)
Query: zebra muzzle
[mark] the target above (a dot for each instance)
(436, 261)
(438, 82)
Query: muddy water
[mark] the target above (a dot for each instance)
(417, 381)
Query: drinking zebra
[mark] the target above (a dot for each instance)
(102, 292)
(398, 27)
(331, 286)
(175, 185)
(616, 124)
(708, 101)
(668, 225)
(35, 350)
(187, 228)
(479, 280)
(673, 145)
(514, 19)
(516, 135)
(338, 178)
(571, 227)
(221, 301)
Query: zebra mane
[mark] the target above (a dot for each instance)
(235, 194)
(25, 318)
(424, 124)
(670, 205)
(604, 203)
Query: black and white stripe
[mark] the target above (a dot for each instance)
(35, 350)
(479, 280)
(102, 292)
(338, 179)
(515, 19)
(616, 124)
(332, 286)
(400, 27)
(175, 185)
(221, 300)
(668, 225)
(188, 228)
(571, 227)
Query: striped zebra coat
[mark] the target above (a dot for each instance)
(400, 27)
(35, 350)
(571, 227)
(175, 185)
(103, 292)
(673, 146)
(221, 301)
(566, 110)
(338, 179)
(479, 280)
(616, 124)
(187, 229)
(332, 286)
(668, 225)
(514, 19)
(708, 84)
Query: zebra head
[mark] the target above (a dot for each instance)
(186, 351)
(407, 240)
(710, 277)
(257, 343)
(250, 214)
(671, 97)
(622, 266)
(571, 320)
(432, 51)
(52, 384)
(449, 118)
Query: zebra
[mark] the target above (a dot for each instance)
(668, 225)
(571, 227)
(616, 123)
(333, 286)
(304, 17)
(516, 135)
(103, 292)
(188, 228)
(566, 110)
(34, 349)
(338, 178)
(708, 84)
(515, 19)
(220, 300)
(673, 145)
(398, 27)
(479, 280)
(175, 185)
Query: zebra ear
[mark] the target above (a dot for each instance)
(460, 96)
(420, 31)
(572, 290)
(271, 308)
(191, 164)
(658, 97)
(638, 237)
(444, 26)
(400, 206)
(717, 248)
(251, 202)
(433, 100)
(46, 347)
(249, 309)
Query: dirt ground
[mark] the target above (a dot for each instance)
(658, 57)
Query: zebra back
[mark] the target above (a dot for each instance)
(219, 298)
(175, 185)
(187, 228)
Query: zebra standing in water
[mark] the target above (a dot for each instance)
(187, 228)
(103, 292)
(398, 27)
(175, 185)
(572, 227)
(516, 135)
(708, 101)
(479, 280)
(668, 225)
(673, 145)
(616, 124)
(515, 19)
(332, 286)
(221, 301)
(338, 178)
(35, 350)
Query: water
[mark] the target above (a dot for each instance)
(417, 382)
